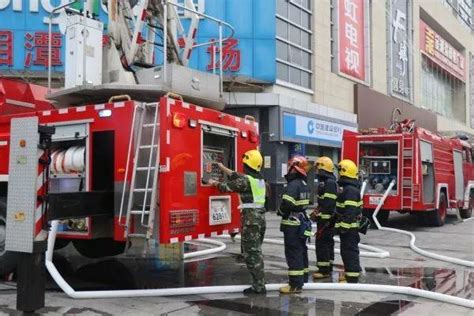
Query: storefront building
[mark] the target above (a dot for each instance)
(268, 68)
(307, 70)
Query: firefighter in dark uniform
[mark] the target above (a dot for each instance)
(324, 217)
(348, 217)
(251, 188)
(295, 224)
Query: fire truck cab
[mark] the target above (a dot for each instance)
(432, 174)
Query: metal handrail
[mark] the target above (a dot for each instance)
(210, 18)
(219, 22)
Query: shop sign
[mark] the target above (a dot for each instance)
(441, 52)
(399, 75)
(298, 127)
(352, 38)
(249, 55)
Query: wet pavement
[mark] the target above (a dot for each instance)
(404, 268)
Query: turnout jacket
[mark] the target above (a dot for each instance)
(348, 204)
(295, 196)
(327, 195)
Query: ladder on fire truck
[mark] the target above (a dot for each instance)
(144, 153)
(407, 151)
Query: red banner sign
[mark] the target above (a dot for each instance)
(351, 25)
(441, 52)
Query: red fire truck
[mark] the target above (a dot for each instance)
(129, 159)
(104, 160)
(432, 174)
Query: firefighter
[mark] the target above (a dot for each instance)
(251, 188)
(324, 217)
(348, 216)
(295, 224)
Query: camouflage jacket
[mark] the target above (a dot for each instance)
(237, 182)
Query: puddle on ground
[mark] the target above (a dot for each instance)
(295, 305)
(124, 272)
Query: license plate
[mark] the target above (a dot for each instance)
(219, 210)
(375, 200)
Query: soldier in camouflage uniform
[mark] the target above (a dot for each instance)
(251, 188)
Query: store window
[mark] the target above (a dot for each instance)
(442, 92)
(464, 10)
(294, 51)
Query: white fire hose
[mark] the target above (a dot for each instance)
(374, 252)
(234, 288)
(220, 247)
(413, 238)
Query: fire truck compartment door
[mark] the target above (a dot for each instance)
(70, 132)
(350, 146)
(458, 174)
(426, 150)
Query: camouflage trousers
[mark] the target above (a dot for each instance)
(253, 231)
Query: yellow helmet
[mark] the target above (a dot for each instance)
(325, 163)
(348, 169)
(253, 158)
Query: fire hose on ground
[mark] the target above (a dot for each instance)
(68, 290)
(374, 252)
(412, 236)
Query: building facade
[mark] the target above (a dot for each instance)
(307, 70)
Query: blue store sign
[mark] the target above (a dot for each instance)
(250, 54)
(313, 130)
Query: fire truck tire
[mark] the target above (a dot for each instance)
(382, 217)
(8, 260)
(467, 213)
(437, 217)
(98, 248)
(61, 243)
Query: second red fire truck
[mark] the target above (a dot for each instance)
(432, 174)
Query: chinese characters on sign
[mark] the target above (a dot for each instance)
(352, 39)
(6, 48)
(399, 48)
(441, 52)
(36, 49)
(230, 56)
(36, 45)
(298, 127)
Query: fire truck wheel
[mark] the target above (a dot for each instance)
(467, 213)
(98, 248)
(8, 260)
(382, 217)
(61, 243)
(437, 217)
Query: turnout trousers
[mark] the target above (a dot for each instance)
(325, 247)
(350, 254)
(296, 254)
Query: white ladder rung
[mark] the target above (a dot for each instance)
(142, 190)
(139, 212)
(150, 125)
(137, 235)
(148, 146)
(145, 168)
